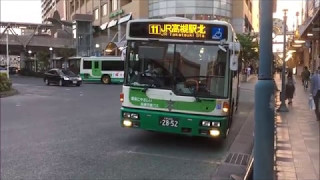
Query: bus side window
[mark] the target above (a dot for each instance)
(86, 64)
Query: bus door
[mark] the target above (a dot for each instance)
(96, 68)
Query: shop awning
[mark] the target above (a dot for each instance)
(303, 28)
(112, 23)
(104, 26)
(125, 18)
(57, 58)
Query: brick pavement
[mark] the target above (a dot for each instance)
(297, 139)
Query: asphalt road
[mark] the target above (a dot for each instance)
(51, 132)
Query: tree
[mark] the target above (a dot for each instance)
(249, 48)
(43, 60)
(66, 53)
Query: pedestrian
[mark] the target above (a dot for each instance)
(248, 71)
(305, 76)
(315, 91)
(290, 87)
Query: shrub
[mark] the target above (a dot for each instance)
(5, 83)
(26, 72)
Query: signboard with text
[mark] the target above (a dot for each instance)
(168, 30)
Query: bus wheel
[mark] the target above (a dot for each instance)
(237, 103)
(105, 79)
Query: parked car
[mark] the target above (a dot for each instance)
(13, 70)
(62, 77)
(3, 69)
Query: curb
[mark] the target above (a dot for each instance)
(12, 92)
(243, 145)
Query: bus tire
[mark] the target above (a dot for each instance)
(106, 79)
(237, 103)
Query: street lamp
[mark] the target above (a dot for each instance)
(50, 49)
(97, 49)
(283, 107)
(299, 41)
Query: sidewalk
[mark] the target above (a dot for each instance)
(297, 139)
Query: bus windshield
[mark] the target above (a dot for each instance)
(198, 70)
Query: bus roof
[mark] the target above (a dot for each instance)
(144, 30)
(102, 58)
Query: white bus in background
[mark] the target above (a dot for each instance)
(109, 69)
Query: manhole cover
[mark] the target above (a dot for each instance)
(237, 159)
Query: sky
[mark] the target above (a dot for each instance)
(30, 10)
(20, 11)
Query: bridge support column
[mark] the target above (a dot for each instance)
(23, 59)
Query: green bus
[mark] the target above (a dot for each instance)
(102, 69)
(181, 76)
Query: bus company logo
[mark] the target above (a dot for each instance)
(178, 30)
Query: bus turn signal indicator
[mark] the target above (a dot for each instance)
(121, 97)
(225, 107)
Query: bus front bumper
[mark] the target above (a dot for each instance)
(172, 122)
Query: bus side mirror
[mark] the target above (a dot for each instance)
(123, 53)
(234, 62)
(234, 46)
(235, 49)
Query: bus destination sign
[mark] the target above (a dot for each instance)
(164, 30)
(178, 30)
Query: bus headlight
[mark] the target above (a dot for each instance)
(215, 124)
(127, 123)
(134, 116)
(214, 132)
(126, 115)
(206, 123)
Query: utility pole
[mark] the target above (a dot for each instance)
(283, 107)
(8, 60)
(264, 100)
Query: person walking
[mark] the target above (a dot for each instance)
(290, 87)
(315, 91)
(305, 75)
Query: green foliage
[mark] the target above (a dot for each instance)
(66, 53)
(26, 72)
(249, 48)
(5, 83)
(43, 60)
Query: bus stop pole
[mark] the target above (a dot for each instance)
(264, 100)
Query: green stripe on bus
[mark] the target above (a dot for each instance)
(139, 98)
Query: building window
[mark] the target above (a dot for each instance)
(104, 9)
(114, 5)
(96, 14)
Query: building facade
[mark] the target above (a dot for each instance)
(109, 17)
(49, 6)
(309, 31)
(238, 13)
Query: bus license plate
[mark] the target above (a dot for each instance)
(169, 122)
